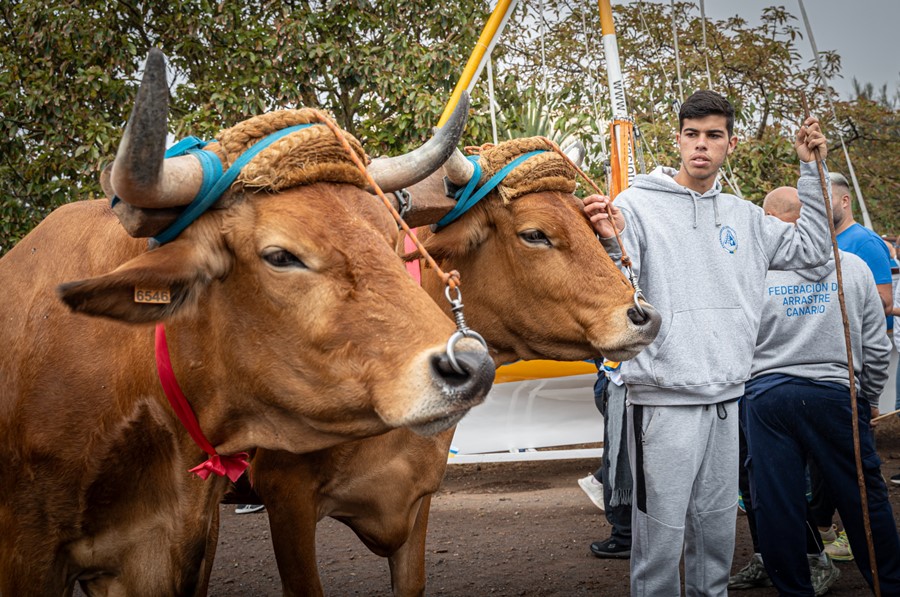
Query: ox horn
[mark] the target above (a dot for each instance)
(141, 176)
(395, 173)
(459, 169)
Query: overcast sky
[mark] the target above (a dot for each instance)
(866, 34)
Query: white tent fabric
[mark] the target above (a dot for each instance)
(524, 415)
(519, 417)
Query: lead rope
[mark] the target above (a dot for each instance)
(450, 279)
(860, 479)
(626, 260)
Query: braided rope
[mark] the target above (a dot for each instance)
(451, 278)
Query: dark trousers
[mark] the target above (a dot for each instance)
(813, 539)
(821, 504)
(619, 517)
(786, 425)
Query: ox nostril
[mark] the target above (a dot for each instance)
(441, 366)
(636, 317)
(472, 385)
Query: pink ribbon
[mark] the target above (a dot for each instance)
(231, 466)
(412, 266)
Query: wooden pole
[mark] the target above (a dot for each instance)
(860, 478)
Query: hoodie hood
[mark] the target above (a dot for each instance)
(815, 274)
(662, 179)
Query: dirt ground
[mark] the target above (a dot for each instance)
(495, 529)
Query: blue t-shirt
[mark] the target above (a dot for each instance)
(867, 245)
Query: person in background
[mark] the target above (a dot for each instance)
(784, 204)
(855, 238)
(895, 270)
(797, 407)
(609, 487)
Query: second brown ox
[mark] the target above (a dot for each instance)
(538, 285)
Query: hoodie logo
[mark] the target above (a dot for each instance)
(728, 239)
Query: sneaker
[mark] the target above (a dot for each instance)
(610, 549)
(896, 479)
(249, 508)
(594, 490)
(751, 576)
(828, 536)
(822, 574)
(839, 549)
(741, 506)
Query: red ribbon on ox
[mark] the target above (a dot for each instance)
(231, 466)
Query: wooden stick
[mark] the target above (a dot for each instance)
(885, 416)
(854, 415)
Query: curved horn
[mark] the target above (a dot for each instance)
(141, 176)
(459, 169)
(395, 173)
(575, 152)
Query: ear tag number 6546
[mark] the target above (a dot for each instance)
(158, 296)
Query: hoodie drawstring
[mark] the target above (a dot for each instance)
(715, 202)
(694, 199)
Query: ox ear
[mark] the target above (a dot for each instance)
(151, 287)
(461, 237)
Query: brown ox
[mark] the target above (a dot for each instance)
(538, 285)
(285, 333)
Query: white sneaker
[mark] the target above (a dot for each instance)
(594, 490)
(822, 574)
(248, 508)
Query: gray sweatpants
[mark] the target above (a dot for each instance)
(685, 466)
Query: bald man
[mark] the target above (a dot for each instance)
(797, 406)
(783, 203)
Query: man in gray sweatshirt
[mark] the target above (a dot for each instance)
(797, 406)
(701, 258)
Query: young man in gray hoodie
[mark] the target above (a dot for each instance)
(701, 258)
(797, 406)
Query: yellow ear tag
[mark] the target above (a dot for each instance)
(158, 296)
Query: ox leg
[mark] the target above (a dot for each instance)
(292, 521)
(408, 562)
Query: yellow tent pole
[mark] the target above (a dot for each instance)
(489, 35)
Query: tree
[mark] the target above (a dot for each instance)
(69, 71)
(757, 66)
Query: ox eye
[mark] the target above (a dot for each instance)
(282, 259)
(535, 237)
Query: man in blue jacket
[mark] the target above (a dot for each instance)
(701, 257)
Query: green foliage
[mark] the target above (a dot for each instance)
(757, 66)
(69, 70)
(533, 115)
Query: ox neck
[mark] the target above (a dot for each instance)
(232, 466)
